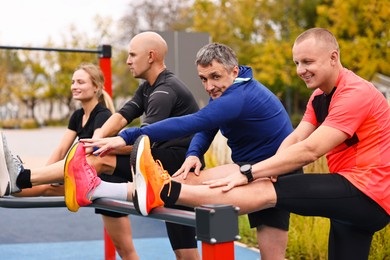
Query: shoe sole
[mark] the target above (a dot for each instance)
(70, 182)
(4, 175)
(139, 181)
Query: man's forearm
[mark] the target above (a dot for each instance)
(111, 127)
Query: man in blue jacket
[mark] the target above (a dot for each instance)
(249, 115)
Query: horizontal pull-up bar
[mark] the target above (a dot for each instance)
(32, 202)
(103, 50)
(177, 216)
(104, 53)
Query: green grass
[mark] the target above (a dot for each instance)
(308, 239)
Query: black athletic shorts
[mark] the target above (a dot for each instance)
(121, 174)
(272, 217)
(180, 236)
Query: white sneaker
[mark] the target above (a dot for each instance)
(14, 166)
(4, 176)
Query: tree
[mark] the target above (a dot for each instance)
(154, 15)
(142, 16)
(10, 64)
(261, 33)
(363, 33)
(28, 89)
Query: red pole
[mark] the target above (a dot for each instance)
(105, 66)
(219, 251)
(109, 247)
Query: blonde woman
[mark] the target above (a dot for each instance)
(96, 107)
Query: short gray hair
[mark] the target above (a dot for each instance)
(218, 52)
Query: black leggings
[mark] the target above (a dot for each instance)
(354, 217)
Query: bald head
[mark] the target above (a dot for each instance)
(151, 41)
(147, 52)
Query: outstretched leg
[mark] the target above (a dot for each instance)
(32, 181)
(154, 188)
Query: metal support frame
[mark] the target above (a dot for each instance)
(216, 225)
(104, 53)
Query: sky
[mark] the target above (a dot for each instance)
(33, 22)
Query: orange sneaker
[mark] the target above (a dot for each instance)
(149, 177)
(80, 178)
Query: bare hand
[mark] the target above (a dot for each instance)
(104, 145)
(229, 182)
(189, 163)
(96, 136)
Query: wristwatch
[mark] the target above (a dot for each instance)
(246, 169)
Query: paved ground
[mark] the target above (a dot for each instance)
(56, 233)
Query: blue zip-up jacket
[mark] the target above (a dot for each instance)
(249, 115)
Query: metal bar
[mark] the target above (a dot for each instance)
(32, 202)
(47, 49)
(177, 216)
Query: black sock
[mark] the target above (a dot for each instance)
(171, 198)
(24, 179)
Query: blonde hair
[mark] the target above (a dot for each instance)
(106, 100)
(97, 78)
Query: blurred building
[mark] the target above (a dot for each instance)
(382, 83)
(182, 49)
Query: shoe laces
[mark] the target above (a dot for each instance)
(164, 175)
(91, 184)
(91, 178)
(18, 162)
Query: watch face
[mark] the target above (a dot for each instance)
(245, 168)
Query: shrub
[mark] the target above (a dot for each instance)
(10, 124)
(29, 123)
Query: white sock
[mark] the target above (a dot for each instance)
(111, 190)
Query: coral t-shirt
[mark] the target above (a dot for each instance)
(358, 109)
